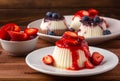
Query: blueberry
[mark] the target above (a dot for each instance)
(56, 15)
(49, 14)
(72, 29)
(106, 32)
(97, 19)
(50, 33)
(85, 18)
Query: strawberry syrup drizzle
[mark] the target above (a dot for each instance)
(74, 51)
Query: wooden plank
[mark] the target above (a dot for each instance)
(25, 16)
(58, 4)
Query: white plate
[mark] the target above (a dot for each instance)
(34, 61)
(114, 28)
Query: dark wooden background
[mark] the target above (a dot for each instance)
(23, 12)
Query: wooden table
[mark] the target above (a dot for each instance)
(15, 68)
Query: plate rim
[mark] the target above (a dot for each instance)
(70, 75)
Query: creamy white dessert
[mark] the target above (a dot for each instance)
(71, 52)
(93, 27)
(63, 58)
(75, 23)
(53, 24)
(92, 31)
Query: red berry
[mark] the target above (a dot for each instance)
(31, 31)
(48, 59)
(11, 27)
(71, 34)
(4, 35)
(92, 12)
(81, 13)
(97, 58)
(17, 36)
(88, 64)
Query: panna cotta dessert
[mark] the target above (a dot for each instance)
(72, 53)
(53, 24)
(93, 27)
(88, 24)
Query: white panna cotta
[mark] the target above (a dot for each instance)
(63, 58)
(71, 52)
(53, 24)
(92, 31)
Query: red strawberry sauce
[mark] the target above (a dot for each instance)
(74, 43)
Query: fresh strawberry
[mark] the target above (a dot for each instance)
(4, 35)
(48, 59)
(88, 64)
(71, 34)
(17, 36)
(70, 41)
(25, 37)
(84, 13)
(97, 58)
(92, 12)
(11, 27)
(81, 13)
(31, 31)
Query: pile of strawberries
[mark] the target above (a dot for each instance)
(12, 32)
(91, 13)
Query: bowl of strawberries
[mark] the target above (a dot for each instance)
(18, 42)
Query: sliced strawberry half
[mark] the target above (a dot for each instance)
(11, 27)
(92, 12)
(48, 59)
(4, 35)
(97, 58)
(71, 34)
(31, 31)
(88, 64)
(17, 36)
(81, 13)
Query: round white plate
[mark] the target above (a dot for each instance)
(34, 60)
(113, 27)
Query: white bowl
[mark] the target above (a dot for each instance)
(19, 48)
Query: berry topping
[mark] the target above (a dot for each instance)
(50, 33)
(82, 13)
(92, 13)
(88, 65)
(48, 59)
(85, 18)
(72, 29)
(71, 34)
(106, 32)
(97, 58)
(97, 19)
(49, 14)
(56, 15)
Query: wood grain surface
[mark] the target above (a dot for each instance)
(23, 12)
